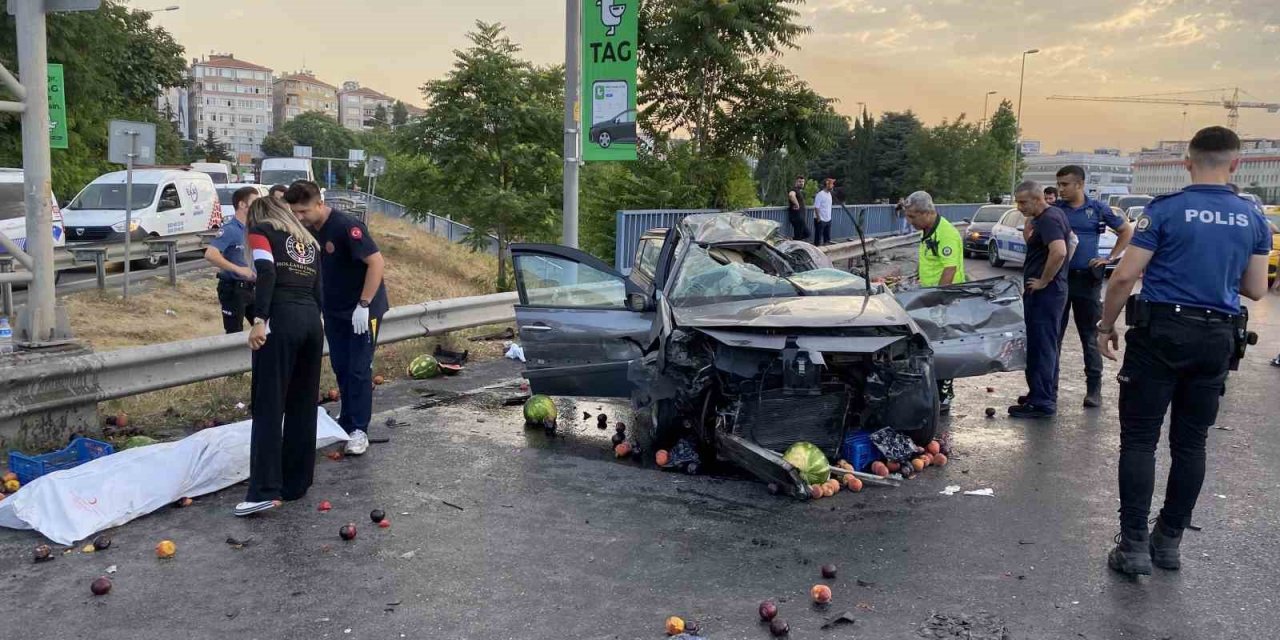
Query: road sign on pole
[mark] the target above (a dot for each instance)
(57, 108)
(609, 79)
(301, 151)
(375, 166)
(130, 143)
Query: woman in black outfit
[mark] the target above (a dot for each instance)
(287, 341)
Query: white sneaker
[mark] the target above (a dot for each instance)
(358, 444)
(249, 508)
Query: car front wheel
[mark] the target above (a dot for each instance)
(604, 140)
(993, 255)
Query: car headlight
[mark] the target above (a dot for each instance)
(975, 236)
(119, 226)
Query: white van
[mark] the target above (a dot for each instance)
(166, 202)
(13, 211)
(219, 172)
(285, 171)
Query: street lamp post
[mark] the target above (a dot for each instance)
(1017, 137)
(172, 7)
(984, 106)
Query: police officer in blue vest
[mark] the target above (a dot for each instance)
(1089, 220)
(1201, 249)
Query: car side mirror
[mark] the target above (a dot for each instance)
(637, 302)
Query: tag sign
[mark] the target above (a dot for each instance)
(57, 108)
(137, 138)
(609, 79)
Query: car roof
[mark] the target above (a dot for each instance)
(148, 176)
(728, 228)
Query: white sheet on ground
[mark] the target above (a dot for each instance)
(71, 505)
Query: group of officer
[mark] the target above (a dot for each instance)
(351, 298)
(1197, 252)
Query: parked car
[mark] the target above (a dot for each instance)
(1133, 212)
(978, 236)
(742, 342)
(13, 211)
(620, 128)
(166, 202)
(226, 191)
(1123, 202)
(1007, 246)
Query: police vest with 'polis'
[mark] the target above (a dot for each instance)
(1217, 217)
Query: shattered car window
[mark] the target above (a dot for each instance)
(557, 282)
(704, 280)
(829, 282)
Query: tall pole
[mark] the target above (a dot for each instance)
(1017, 134)
(985, 99)
(39, 321)
(572, 23)
(128, 210)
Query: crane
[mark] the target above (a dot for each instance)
(1231, 103)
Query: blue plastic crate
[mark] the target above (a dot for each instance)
(80, 451)
(859, 450)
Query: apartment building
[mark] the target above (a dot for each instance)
(298, 93)
(358, 105)
(1161, 170)
(231, 98)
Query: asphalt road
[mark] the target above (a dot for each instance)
(498, 532)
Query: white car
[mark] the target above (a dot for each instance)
(166, 202)
(1008, 247)
(13, 211)
(226, 191)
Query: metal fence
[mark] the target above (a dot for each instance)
(880, 221)
(429, 222)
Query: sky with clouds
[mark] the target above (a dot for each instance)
(935, 57)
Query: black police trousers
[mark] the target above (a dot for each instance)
(1084, 302)
(285, 387)
(236, 299)
(1179, 360)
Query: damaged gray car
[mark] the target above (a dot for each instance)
(741, 342)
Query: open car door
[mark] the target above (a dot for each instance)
(580, 321)
(974, 328)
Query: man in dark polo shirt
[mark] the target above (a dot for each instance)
(355, 300)
(1045, 275)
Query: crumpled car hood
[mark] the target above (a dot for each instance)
(825, 312)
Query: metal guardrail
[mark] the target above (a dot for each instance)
(429, 222)
(880, 220)
(56, 384)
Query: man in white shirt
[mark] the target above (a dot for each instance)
(822, 213)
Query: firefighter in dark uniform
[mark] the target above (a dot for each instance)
(288, 344)
(1201, 249)
(355, 300)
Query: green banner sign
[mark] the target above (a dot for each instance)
(609, 79)
(57, 108)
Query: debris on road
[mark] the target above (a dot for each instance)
(674, 626)
(506, 334)
(541, 411)
(111, 569)
(842, 619)
(779, 627)
(820, 593)
(991, 412)
(100, 586)
(43, 553)
(768, 610)
(183, 502)
(238, 543)
(102, 543)
(377, 515)
(450, 504)
(423, 367)
(515, 352)
(347, 531)
(981, 492)
(951, 490)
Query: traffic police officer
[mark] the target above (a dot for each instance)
(1200, 249)
(227, 253)
(1089, 220)
(941, 258)
(355, 299)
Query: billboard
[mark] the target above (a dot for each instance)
(609, 79)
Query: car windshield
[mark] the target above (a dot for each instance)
(111, 197)
(225, 195)
(12, 203)
(716, 273)
(990, 214)
(1133, 201)
(283, 176)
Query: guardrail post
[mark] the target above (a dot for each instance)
(100, 269)
(6, 288)
(171, 249)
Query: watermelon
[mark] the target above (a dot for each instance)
(423, 367)
(809, 460)
(540, 410)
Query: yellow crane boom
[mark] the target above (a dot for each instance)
(1231, 103)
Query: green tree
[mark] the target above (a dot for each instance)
(891, 154)
(700, 58)
(116, 66)
(399, 114)
(278, 144)
(327, 139)
(380, 118)
(212, 150)
(1001, 135)
(493, 133)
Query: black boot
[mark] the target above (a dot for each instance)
(1131, 555)
(1093, 396)
(1164, 546)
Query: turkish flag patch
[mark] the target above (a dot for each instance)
(356, 233)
